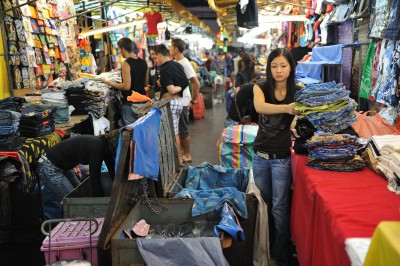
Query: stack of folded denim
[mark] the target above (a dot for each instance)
(92, 98)
(12, 103)
(335, 152)
(37, 121)
(327, 106)
(10, 139)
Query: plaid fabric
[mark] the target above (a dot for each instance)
(176, 110)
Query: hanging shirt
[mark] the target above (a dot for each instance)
(152, 20)
(247, 14)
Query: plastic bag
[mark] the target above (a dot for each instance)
(367, 126)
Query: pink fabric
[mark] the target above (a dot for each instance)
(328, 207)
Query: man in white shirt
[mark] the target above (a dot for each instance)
(176, 50)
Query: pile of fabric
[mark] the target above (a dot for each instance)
(335, 152)
(389, 165)
(327, 106)
(55, 96)
(383, 156)
(37, 121)
(9, 134)
(87, 96)
(12, 103)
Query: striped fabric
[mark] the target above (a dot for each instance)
(235, 146)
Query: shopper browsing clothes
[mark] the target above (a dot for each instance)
(274, 101)
(134, 78)
(172, 82)
(176, 51)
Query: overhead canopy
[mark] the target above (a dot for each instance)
(170, 10)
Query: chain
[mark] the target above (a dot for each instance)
(145, 196)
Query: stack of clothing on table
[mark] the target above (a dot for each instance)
(10, 139)
(383, 156)
(327, 106)
(37, 121)
(389, 166)
(56, 97)
(335, 152)
(87, 96)
(12, 103)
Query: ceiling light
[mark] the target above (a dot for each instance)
(113, 27)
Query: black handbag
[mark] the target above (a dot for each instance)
(243, 120)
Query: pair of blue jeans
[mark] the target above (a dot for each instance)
(60, 182)
(274, 178)
(128, 115)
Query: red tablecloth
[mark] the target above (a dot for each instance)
(329, 207)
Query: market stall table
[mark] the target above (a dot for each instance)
(329, 207)
(73, 121)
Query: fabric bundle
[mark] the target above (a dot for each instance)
(389, 166)
(9, 134)
(372, 152)
(56, 97)
(88, 97)
(335, 152)
(327, 106)
(12, 103)
(37, 121)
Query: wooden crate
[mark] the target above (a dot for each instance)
(125, 251)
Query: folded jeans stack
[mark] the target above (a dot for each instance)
(37, 121)
(9, 134)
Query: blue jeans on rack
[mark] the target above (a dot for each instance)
(274, 178)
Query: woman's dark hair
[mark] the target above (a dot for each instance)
(161, 49)
(125, 43)
(248, 64)
(291, 85)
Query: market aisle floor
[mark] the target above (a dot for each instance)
(204, 135)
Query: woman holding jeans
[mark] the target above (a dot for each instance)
(274, 101)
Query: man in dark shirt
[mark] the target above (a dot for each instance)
(173, 81)
(54, 167)
(135, 76)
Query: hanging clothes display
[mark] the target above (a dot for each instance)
(152, 18)
(37, 40)
(247, 14)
